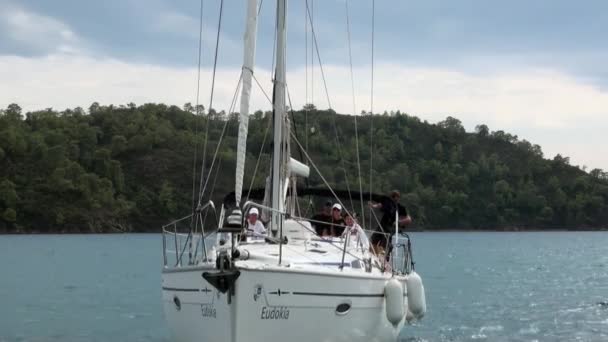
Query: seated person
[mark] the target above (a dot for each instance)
(255, 228)
(336, 223)
(321, 219)
(356, 235)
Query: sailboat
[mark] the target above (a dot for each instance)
(234, 284)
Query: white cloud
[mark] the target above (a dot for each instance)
(538, 98)
(36, 32)
(535, 102)
(61, 81)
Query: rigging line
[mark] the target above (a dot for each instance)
(274, 44)
(350, 59)
(265, 136)
(371, 111)
(217, 45)
(261, 88)
(217, 48)
(306, 72)
(352, 83)
(183, 250)
(316, 48)
(339, 147)
(312, 163)
(295, 127)
(293, 119)
(221, 138)
(296, 201)
(198, 87)
(312, 53)
(198, 242)
(371, 107)
(318, 263)
(309, 98)
(306, 53)
(222, 134)
(373, 214)
(217, 172)
(341, 249)
(257, 163)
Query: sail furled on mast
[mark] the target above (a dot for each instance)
(247, 75)
(280, 144)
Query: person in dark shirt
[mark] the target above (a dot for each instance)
(321, 220)
(337, 222)
(390, 208)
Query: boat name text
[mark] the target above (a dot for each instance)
(208, 311)
(280, 312)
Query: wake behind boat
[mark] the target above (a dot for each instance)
(250, 281)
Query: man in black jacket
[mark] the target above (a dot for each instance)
(321, 221)
(390, 208)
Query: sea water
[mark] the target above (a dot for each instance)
(542, 286)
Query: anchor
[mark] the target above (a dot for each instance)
(223, 280)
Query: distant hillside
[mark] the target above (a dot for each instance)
(129, 168)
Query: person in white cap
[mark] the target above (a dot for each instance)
(255, 228)
(337, 223)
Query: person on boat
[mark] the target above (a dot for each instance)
(320, 221)
(389, 207)
(255, 228)
(355, 233)
(336, 223)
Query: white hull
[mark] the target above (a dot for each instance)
(297, 304)
(288, 283)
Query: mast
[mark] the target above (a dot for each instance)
(280, 145)
(251, 26)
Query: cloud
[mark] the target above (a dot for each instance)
(542, 106)
(36, 33)
(62, 81)
(539, 98)
(170, 26)
(175, 22)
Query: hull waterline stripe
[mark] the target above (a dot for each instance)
(180, 290)
(322, 294)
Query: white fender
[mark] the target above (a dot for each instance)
(393, 295)
(415, 296)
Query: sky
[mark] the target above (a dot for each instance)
(533, 68)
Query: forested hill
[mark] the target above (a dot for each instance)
(129, 168)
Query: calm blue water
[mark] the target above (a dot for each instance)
(479, 286)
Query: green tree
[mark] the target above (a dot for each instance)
(167, 199)
(9, 215)
(130, 167)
